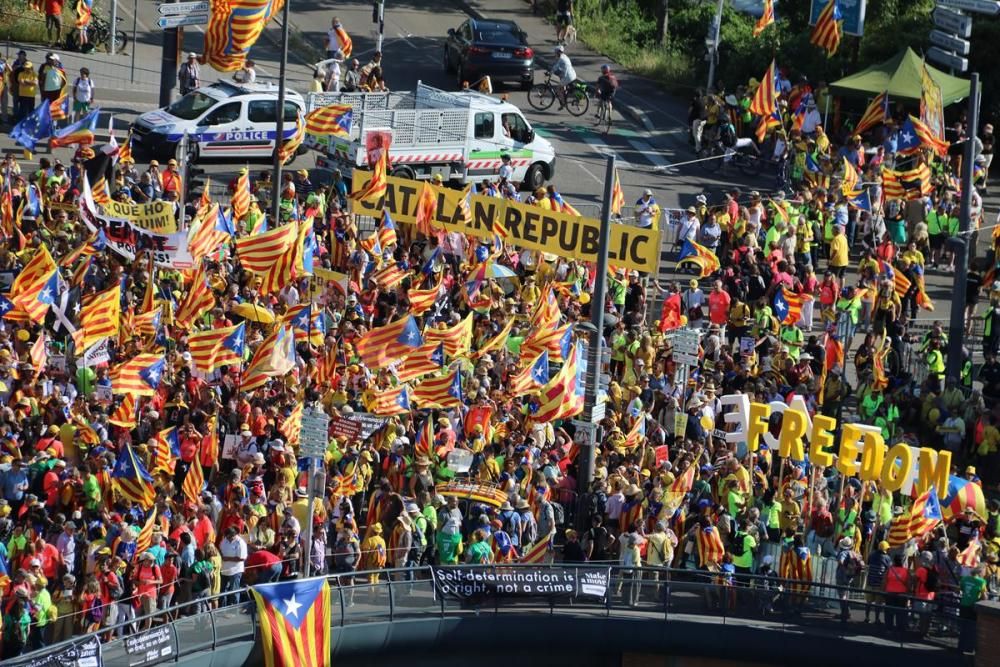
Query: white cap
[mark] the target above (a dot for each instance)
(560, 48)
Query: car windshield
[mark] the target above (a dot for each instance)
(192, 105)
(502, 37)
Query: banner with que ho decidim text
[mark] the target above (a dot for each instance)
(527, 226)
(155, 216)
(169, 250)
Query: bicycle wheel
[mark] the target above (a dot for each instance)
(710, 160)
(541, 96)
(578, 103)
(121, 41)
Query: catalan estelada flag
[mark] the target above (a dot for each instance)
(141, 375)
(927, 137)
(424, 444)
(766, 18)
(100, 315)
(710, 547)
(923, 516)
(421, 300)
(392, 401)
(197, 302)
(444, 391)
(194, 480)
(876, 113)
(912, 184)
(210, 231)
(215, 348)
(428, 358)
(35, 275)
(457, 339)
(132, 479)
(788, 305)
(536, 552)
(233, 28)
(124, 414)
(497, 341)
(826, 33)
(295, 622)
(765, 99)
(145, 538)
(382, 345)
(698, 254)
(533, 376)
(557, 341)
(291, 427)
(37, 301)
(166, 450)
(307, 323)
(559, 399)
(386, 230)
(333, 119)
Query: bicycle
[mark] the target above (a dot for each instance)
(543, 95)
(604, 113)
(713, 157)
(98, 34)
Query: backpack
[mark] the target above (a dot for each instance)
(823, 523)
(559, 514)
(737, 548)
(853, 563)
(728, 135)
(598, 503)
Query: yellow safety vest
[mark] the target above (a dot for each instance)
(27, 82)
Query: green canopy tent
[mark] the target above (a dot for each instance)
(900, 75)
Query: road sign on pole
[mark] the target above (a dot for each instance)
(180, 21)
(314, 435)
(950, 42)
(183, 8)
(989, 7)
(948, 59)
(954, 22)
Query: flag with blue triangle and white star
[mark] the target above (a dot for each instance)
(295, 622)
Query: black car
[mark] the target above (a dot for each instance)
(498, 49)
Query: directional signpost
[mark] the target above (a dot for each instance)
(988, 7)
(954, 22)
(179, 14)
(950, 42)
(313, 440)
(953, 29)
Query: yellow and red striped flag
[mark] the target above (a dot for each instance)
(394, 401)
(685, 481)
(617, 196)
(199, 300)
(532, 377)
(39, 353)
(208, 232)
(536, 552)
(296, 634)
(375, 189)
(443, 391)
(457, 339)
(291, 427)
(124, 414)
(344, 42)
(333, 119)
(144, 539)
(497, 341)
(100, 315)
(210, 350)
(558, 341)
(274, 358)
(876, 113)
(637, 433)
(132, 480)
(291, 145)
(240, 200)
(428, 358)
(194, 480)
(28, 291)
(270, 255)
(923, 517)
(561, 398)
(826, 32)
(163, 456)
(426, 209)
(140, 376)
(421, 300)
(710, 547)
(765, 99)
(766, 18)
(382, 345)
(389, 276)
(306, 322)
(233, 28)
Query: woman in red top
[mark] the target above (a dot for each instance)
(926, 582)
(897, 584)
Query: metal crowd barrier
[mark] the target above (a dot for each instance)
(392, 594)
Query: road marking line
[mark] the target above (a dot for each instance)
(649, 153)
(601, 147)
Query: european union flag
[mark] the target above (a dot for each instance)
(34, 127)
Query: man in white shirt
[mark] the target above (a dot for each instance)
(646, 209)
(564, 70)
(234, 554)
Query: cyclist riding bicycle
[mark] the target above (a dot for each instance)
(567, 75)
(607, 84)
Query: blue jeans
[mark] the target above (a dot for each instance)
(230, 582)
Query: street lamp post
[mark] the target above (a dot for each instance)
(713, 48)
(280, 117)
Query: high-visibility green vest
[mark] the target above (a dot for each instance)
(935, 362)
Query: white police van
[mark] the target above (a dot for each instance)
(224, 119)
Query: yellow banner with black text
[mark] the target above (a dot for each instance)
(527, 226)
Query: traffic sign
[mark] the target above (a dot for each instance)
(166, 22)
(956, 23)
(183, 8)
(990, 7)
(948, 59)
(685, 345)
(314, 435)
(950, 42)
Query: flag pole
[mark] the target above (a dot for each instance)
(279, 117)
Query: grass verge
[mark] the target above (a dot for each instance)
(19, 23)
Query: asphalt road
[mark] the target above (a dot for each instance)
(414, 36)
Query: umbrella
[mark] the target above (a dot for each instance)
(498, 271)
(253, 312)
(963, 495)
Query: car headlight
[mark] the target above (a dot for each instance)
(162, 129)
